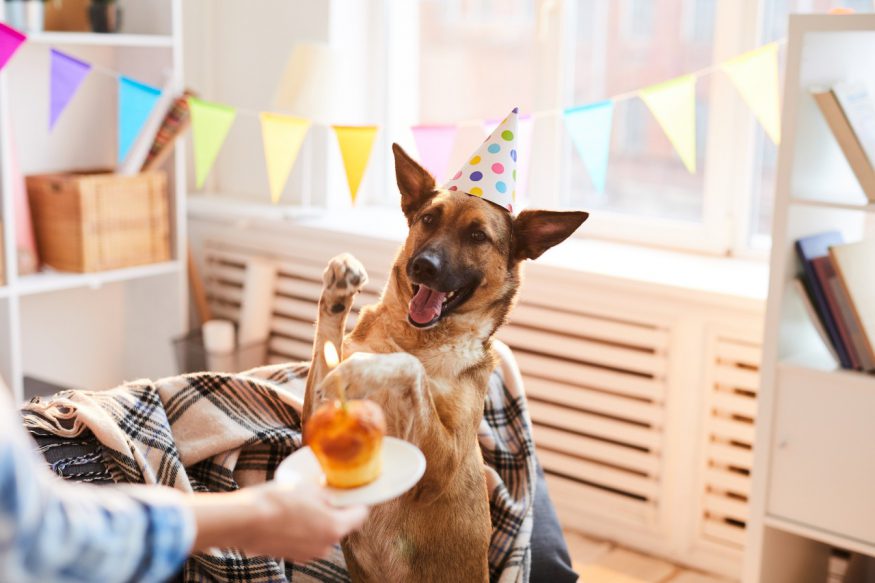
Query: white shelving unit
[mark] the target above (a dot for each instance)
(814, 467)
(91, 330)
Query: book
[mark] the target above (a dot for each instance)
(855, 264)
(859, 108)
(173, 126)
(807, 249)
(858, 338)
(805, 296)
(827, 277)
(856, 141)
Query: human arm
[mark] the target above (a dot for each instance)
(52, 530)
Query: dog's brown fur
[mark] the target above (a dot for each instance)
(431, 382)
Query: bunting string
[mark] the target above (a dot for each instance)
(754, 75)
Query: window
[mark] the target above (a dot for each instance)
(645, 175)
(637, 20)
(479, 58)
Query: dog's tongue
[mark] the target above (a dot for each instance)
(426, 305)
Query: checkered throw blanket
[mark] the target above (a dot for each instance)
(218, 432)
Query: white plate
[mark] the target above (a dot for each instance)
(403, 466)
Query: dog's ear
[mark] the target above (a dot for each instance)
(414, 182)
(536, 231)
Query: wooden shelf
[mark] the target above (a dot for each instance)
(869, 208)
(49, 281)
(101, 39)
(821, 364)
(823, 536)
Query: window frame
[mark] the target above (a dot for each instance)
(729, 165)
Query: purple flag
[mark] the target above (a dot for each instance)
(10, 40)
(435, 144)
(67, 74)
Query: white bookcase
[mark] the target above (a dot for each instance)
(814, 467)
(89, 330)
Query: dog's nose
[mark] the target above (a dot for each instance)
(426, 266)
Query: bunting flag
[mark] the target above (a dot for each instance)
(755, 76)
(355, 144)
(673, 104)
(66, 74)
(210, 124)
(590, 129)
(135, 103)
(282, 136)
(435, 145)
(10, 40)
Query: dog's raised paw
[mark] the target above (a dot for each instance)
(344, 277)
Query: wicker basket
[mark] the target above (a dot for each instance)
(97, 221)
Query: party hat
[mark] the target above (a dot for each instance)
(491, 172)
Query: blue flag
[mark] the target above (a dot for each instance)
(135, 102)
(590, 129)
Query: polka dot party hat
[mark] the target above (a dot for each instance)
(491, 172)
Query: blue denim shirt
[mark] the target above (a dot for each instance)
(55, 531)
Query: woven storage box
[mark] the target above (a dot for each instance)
(98, 221)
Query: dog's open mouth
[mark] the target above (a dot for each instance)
(428, 306)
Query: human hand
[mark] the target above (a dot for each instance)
(292, 521)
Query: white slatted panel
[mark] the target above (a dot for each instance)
(729, 421)
(298, 286)
(596, 389)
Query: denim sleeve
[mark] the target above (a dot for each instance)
(51, 530)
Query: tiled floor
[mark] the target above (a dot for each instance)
(603, 562)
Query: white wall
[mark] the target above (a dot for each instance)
(236, 54)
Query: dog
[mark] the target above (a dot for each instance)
(423, 353)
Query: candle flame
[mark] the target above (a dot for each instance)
(330, 353)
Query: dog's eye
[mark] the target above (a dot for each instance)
(427, 219)
(478, 236)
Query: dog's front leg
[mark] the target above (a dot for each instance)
(396, 381)
(342, 279)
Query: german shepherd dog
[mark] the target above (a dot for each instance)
(424, 354)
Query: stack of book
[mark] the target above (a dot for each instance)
(837, 286)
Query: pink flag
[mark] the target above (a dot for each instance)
(10, 40)
(28, 260)
(435, 144)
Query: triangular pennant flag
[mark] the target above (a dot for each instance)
(282, 136)
(135, 103)
(210, 123)
(67, 73)
(755, 75)
(10, 40)
(590, 129)
(435, 144)
(673, 104)
(355, 144)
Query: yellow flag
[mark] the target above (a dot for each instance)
(673, 104)
(355, 143)
(755, 75)
(282, 136)
(210, 123)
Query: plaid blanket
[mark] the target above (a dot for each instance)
(218, 432)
